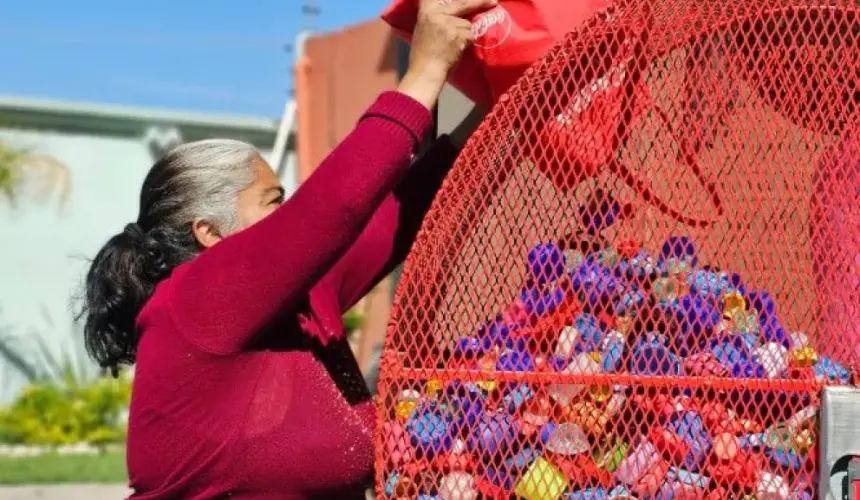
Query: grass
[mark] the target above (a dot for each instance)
(106, 468)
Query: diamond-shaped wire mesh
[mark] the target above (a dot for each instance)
(642, 269)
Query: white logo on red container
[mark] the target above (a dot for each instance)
(490, 29)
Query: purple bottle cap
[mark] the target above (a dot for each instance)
(546, 432)
(492, 433)
(762, 302)
(558, 363)
(495, 333)
(515, 361)
(465, 402)
(748, 369)
(697, 315)
(468, 347)
(772, 331)
(539, 303)
(654, 358)
(546, 263)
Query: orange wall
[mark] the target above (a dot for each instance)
(341, 74)
(344, 72)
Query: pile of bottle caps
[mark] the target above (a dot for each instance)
(615, 317)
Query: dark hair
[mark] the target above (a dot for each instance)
(196, 180)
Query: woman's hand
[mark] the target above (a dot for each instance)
(441, 36)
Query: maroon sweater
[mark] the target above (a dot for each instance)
(245, 384)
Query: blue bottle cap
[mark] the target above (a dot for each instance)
(590, 333)
(706, 285)
(828, 370)
(391, 483)
(431, 429)
(785, 457)
(652, 357)
(629, 303)
(515, 397)
(426, 496)
(682, 483)
(598, 493)
(687, 478)
(492, 433)
(595, 285)
(504, 475)
(730, 350)
(612, 352)
(621, 491)
(688, 425)
(546, 263)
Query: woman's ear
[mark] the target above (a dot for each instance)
(206, 234)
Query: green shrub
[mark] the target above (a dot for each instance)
(58, 413)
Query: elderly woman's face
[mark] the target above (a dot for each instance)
(262, 197)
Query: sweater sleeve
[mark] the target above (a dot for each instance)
(389, 235)
(232, 291)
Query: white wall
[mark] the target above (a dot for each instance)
(43, 249)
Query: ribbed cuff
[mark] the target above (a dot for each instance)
(403, 110)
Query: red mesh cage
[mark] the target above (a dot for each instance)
(642, 269)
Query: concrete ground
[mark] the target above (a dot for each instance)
(75, 492)
(65, 492)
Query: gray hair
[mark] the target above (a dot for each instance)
(200, 179)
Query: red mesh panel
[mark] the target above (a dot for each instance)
(642, 269)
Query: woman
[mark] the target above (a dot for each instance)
(229, 299)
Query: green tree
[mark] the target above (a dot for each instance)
(37, 177)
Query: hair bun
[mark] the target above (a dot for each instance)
(134, 231)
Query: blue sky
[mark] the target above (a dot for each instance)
(214, 55)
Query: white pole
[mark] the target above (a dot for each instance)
(288, 118)
(288, 123)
